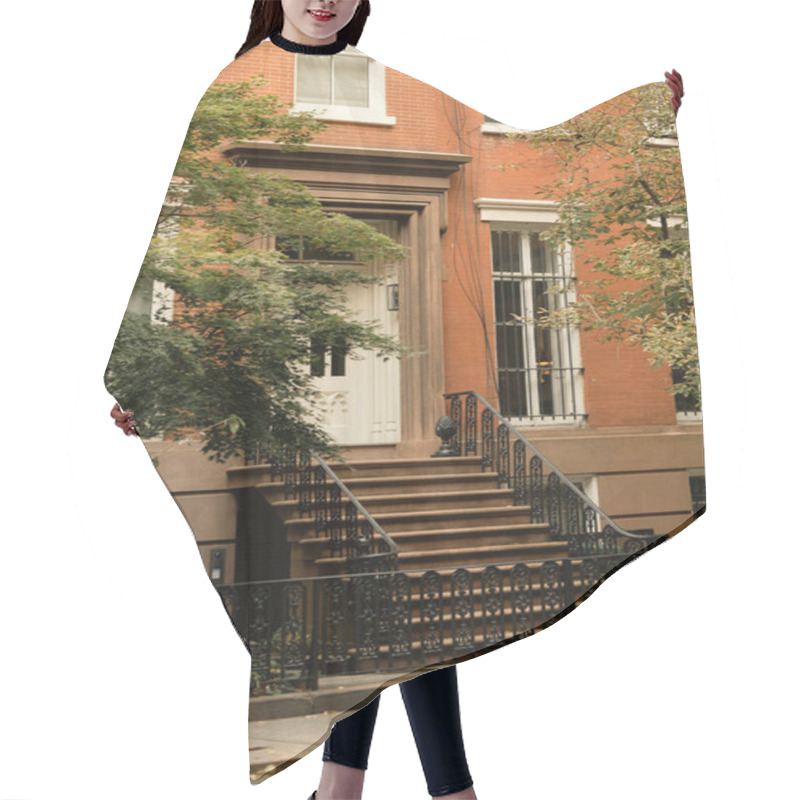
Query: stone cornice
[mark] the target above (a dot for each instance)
(335, 158)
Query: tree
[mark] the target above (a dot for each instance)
(231, 358)
(622, 208)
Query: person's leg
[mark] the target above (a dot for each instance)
(346, 753)
(433, 710)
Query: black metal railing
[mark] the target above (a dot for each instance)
(298, 630)
(536, 482)
(351, 530)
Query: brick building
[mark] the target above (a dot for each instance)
(429, 171)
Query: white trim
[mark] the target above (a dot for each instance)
(672, 222)
(374, 114)
(526, 423)
(496, 209)
(662, 141)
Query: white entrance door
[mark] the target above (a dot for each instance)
(360, 391)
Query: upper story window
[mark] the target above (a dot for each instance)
(347, 86)
(333, 82)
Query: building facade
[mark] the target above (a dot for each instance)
(435, 175)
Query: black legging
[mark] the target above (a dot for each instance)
(432, 706)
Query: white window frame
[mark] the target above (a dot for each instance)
(373, 114)
(535, 216)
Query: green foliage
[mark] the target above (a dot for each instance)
(622, 207)
(232, 360)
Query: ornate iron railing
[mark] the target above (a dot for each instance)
(351, 530)
(298, 630)
(536, 482)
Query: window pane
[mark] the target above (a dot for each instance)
(510, 352)
(317, 353)
(506, 251)
(684, 404)
(322, 252)
(313, 79)
(539, 255)
(338, 359)
(544, 259)
(290, 246)
(509, 337)
(350, 81)
(506, 300)
(513, 399)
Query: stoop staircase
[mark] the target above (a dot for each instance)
(443, 513)
(397, 563)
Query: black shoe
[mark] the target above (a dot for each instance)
(313, 795)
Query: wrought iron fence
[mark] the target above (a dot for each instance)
(351, 530)
(536, 482)
(298, 630)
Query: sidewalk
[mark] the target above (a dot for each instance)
(284, 727)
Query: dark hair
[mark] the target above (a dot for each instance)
(266, 18)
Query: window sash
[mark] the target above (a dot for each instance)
(339, 80)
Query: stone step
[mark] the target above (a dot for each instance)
(407, 485)
(423, 519)
(453, 558)
(435, 501)
(405, 466)
(422, 483)
(460, 538)
(259, 474)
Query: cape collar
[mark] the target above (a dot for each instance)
(310, 49)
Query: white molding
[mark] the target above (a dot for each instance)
(496, 209)
(672, 222)
(662, 141)
(345, 114)
(526, 423)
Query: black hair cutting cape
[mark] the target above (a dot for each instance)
(418, 381)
